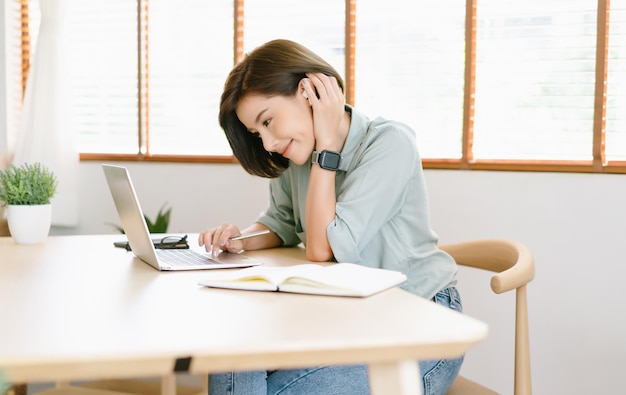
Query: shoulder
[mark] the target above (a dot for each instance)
(381, 129)
(392, 136)
(390, 129)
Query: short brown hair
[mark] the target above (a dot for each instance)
(272, 69)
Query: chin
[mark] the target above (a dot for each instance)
(299, 161)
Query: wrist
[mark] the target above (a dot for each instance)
(326, 159)
(326, 144)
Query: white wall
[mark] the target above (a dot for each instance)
(574, 224)
(200, 196)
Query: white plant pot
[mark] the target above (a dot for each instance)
(29, 224)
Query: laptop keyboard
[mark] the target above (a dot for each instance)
(182, 257)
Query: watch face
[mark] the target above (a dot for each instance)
(330, 160)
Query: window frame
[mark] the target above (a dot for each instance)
(598, 163)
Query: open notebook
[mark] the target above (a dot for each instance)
(136, 229)
(338, 279)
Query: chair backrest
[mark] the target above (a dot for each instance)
(514, 266)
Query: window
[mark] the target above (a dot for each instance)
(492, 84)
(190, 54)
(616, 81)
(320, 28)
(104, 64)
(535, 79)
(410, 67)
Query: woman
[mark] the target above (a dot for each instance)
(351, 189)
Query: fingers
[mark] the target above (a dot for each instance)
(218, 239)
(327, 88)
(327, 106)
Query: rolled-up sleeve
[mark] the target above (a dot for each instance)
(381, 216)
(279, 216)
(374, 189)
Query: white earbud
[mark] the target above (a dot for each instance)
(306, 97)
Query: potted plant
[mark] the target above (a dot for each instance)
(160, 223)
(26, 191)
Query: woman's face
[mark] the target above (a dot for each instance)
(284, 123)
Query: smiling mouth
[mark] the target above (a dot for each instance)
(286, 148)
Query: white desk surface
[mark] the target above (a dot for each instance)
(75, 307)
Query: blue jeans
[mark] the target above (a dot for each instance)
(438, 375)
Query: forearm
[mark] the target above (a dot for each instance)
(269, 240)
(319, 213)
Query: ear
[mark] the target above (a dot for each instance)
(301, 88)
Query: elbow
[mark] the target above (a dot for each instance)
(318, 254)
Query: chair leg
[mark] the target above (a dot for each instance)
(522, 384)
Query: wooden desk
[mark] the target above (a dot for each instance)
(76, 308)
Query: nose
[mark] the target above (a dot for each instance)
(270, 143)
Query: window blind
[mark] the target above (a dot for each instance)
(320, 28)
(534, 64)
(535, 75)
(104, 76)
(409, 67)
(190, 46)
(187, 50)
(616, 84)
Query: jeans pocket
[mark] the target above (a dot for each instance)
(439, 378)
(449, 297)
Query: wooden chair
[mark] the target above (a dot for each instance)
(514, 267)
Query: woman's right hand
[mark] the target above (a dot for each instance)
(217, 239)
(327, 102)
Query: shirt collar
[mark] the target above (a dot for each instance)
(358, 128)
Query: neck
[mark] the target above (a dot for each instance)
(344, 128)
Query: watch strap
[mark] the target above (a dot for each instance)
(320, 158)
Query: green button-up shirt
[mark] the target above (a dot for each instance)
(382, 217)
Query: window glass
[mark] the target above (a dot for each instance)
(190, 52)
(103, 64)
(535, 71)
(410, 67)
(318, 26)
(616, 87)
(190, 56)
(535, 77)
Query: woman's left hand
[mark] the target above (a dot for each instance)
(328, 109)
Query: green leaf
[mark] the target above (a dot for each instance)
(29, 184)
(160, 223)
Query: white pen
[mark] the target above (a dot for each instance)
(251, 234)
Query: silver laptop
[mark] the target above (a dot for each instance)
(141, 243)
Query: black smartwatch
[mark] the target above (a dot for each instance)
(327, 159)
